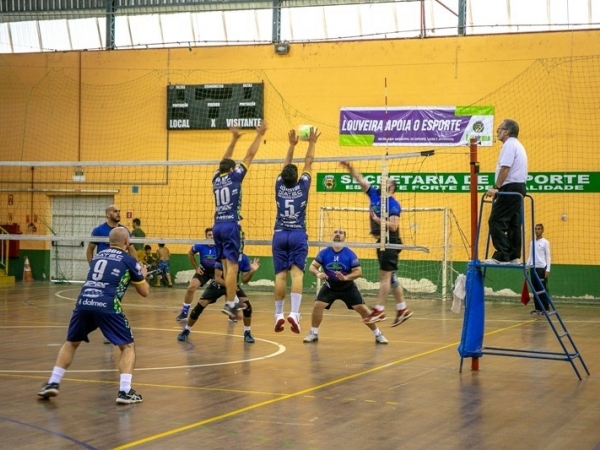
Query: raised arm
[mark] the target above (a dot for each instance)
(260, 132)
(235, 135)
(293, 138)
(310, 152)
(356, 175)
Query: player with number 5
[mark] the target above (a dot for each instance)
(227, 190)
(290, 241)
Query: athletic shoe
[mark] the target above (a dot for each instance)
(106, 341)
(49, 390)
(183, 335)
(248, 337)
(181, 317)
(279, 322)
(231, 311)
(311, 337)
(536, 312)
(401, 316)
(232, 319)
(381, 339)
(124, 398)
(376, 316)
(515, 262)
(495, 262)
(294, 320)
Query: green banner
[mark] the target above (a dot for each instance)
(542, 182)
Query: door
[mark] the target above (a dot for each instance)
(74, 216)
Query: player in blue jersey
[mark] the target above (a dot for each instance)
(227, 192)
(99, 306)
(388, 258)
(338, 266)
(204, 270)
(290, 241)
(215, 289)
(113, 218)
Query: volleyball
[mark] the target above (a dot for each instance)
(304, 132)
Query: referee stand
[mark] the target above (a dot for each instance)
(471, 345)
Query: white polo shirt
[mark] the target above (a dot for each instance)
(513, 155)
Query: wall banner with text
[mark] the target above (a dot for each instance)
(537, 182)
(416, 126)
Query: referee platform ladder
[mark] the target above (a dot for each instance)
(471, 345)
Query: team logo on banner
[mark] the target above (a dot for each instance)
(329, 182)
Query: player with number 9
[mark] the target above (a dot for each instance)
(290, 241)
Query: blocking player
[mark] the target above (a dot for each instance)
(227, 192)
(290, 241)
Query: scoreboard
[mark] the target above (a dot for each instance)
(214, 106)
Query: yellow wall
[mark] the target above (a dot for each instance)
(94, 106)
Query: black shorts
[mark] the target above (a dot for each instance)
(388, 258)
(214, 291)
(203, 279)
(350, 296)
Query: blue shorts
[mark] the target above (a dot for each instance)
(114, 327)
(228, 241)
(290, 248)
(163, 267)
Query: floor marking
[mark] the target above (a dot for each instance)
(301, 393)
(50, 432)
(280, 349)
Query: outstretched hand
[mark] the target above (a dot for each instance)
(292, 137)
(262, 128)
(235, 133)
(255, 264)
(346, 165)
(313, 135)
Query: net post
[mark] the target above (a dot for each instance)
(383, 227)
(474, 171)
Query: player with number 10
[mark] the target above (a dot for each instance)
(227, 190)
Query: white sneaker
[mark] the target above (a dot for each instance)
(381, 339)
(294, 320)
(515, 262)
(312, 337)
(279, 322)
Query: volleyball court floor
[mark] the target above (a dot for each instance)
(343, 392)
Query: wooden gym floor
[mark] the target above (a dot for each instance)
(344, 392)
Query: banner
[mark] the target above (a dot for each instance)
(416, 126)
(537, 182)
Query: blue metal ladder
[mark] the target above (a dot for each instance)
(569, 352)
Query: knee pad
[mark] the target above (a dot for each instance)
(196, 311)
(248, 311)
(395, 282)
